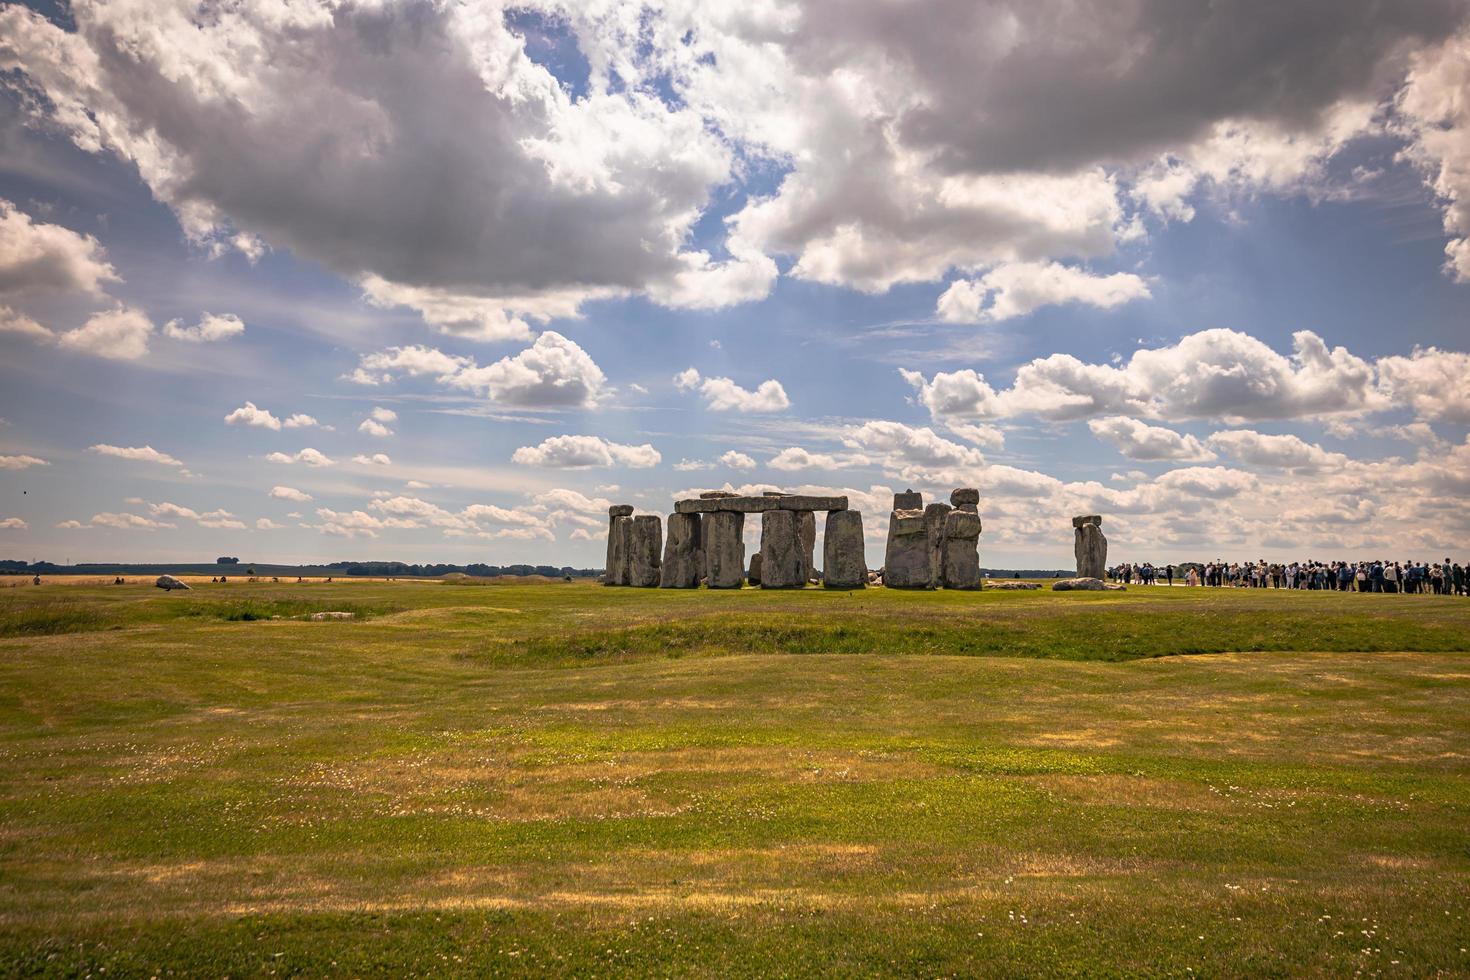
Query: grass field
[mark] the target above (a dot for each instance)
(565, 779)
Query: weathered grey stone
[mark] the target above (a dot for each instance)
(620, 510)
(1010, 585)
(724, 550)
(935, 516)
(644, 548)
(774, 493)
(962, 550)
(683, 564)
(717, 494)
(754, 578)
(1084, 583)
(1087, 519)
(965, 498)
(759, 505)
(322, 617)
(906, 560)
(169, 584)
(619, 541)
(1090, 547)
(781, 564)
(806, 541)
(843, 563)
(908, 500)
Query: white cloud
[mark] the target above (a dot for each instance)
(1278, 451)
(554, 372)
(21, 462)
(724, 395)
(300, 421)
(145, 454)
(1435, 117)
(691, 465)
(376, 459)
(289, 493)
(119, 334)
(221, 520)
(1138, 440)
(381, 414)
(1015, 289)
(737, 460)
(374, 428)
(249, 414)
(18, 323)
(581, 452)
(128, 521)
(38, 259)
(1435, 384)
(795, 458)
(14, 524)
(309, 456)
(982, 435)
(418, 485)
(266, 524)
(211, 328)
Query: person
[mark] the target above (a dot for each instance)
(36, 580)
(1169, 575)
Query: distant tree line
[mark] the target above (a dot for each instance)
(374, 569)
(380, 569)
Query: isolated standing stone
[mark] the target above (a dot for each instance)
(781, 562)
(806, 539)
(683, 553)
(724, 549)
(843, 563)
(906, 560)
(935, 516)
(619, 539)
(754, 578)
(645, 543)
(962, 550)
(1090, 547)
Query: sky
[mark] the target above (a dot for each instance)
(438, 282)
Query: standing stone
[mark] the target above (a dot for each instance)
(906, 560)
(962, 550)
(781, 564)
(1090, 547)
(724, 549)
(935, 516)
(643, 551)
(754, 578)
(683, 553)
(965, 498)
(619, 540)
(843, 563)
(806, 539)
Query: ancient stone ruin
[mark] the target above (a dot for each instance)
(936, 546)
(1090, 547)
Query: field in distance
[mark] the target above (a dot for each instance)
(562, 778)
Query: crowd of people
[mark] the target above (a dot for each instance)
(1407, 577)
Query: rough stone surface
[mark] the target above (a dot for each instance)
(321, 617)
(1087, 519)
(1090, 547)
(1010, 585)
(619, 539)
(754, 578)
(843, 563)
(717, 494)
(169, 583)
(806, 540)
(759, 505)
(962, 550)
(1083, 583)
(935, 516)
(620, 510)
(781, 564)
(908, 500)
(644, 548)
(965, 498)
(906, 559)
(683, 564)
(724, 550)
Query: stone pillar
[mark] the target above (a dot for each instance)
(806, 539)
(781, 564)
(906, 560)
(935, 516)
(962, 550)
(724, 549)
(1090, 547)
(966, 498)
(643, 551)
(843, 563)
(683, 553)
(619, 538)
(754, 578)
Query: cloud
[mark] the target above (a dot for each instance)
(120, 334)
(19, 323)
(210, 329)
(1138, 440)
(145, 454)
(737, 460)
(21, 462)
(984, 436)
(309, 456)
(1434, 116)
(1276, 451)
(300, 421)
(1017, 288)
(266, 524)
(376, 459)
(582, 452)
(374, 428)
(125, 522)
(248, 414)
(724, 395)
(554, 372)
(14, 524)
(1431, 382)
(289, 493)
(39, 259)
(795, 458)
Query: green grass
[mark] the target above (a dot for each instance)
(562, 779)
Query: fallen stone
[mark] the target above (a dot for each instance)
(781, 562)
(1010, 585)
(724, 550)
(1083, 583)
(683, 563)
(321, 617)
(843, 563)
(645, 546)
(168, 583)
